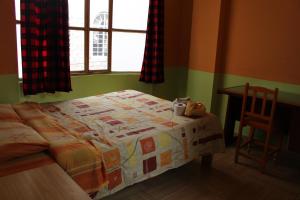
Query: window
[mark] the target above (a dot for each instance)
(105, 35)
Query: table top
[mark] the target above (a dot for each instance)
(286, 98)
(47, 182)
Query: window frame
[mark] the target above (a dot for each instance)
(109, 31)
(86, 30)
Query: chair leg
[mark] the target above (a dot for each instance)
(238, 143)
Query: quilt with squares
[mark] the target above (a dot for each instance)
(137, 135)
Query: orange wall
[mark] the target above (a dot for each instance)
(204, 34)
(8, 49)
(263, 40)
(177, 34)
(178, 16)
(255, 38)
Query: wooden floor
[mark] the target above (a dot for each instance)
(224, 180)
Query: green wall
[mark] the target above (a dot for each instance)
(174, 85)
(87, 85)
(9, 88)
(203, 86)
(200, 86)
(179, 82)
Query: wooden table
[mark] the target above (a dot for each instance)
(287, 115)
(46, 182)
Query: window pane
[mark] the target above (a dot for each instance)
(127, 51)
(99, 13)
(130, 14)
(76, 50)
(17, 9)
(19, 50)
(76, 13)
(98, 50)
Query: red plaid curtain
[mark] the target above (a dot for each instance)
(45, 46)
(153, 63)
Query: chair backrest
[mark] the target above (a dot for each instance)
(255, 103)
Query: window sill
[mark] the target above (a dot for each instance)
(104, 73)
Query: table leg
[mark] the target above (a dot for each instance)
(206, 160)
(294, 136)
(232, 114)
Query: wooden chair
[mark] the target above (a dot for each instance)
(258, 110)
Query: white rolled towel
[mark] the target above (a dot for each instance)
(179, 108)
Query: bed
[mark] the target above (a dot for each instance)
(113, 140)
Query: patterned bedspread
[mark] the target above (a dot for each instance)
(135, 135)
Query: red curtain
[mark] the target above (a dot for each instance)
(153, 63)
(45, 46)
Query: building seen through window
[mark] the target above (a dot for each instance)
(100, 39)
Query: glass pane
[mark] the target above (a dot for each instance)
(18, 9)
(99, 13)
(127, 51)
(76, 50)
(98, 50)
(18, 29)
(76, 13)
(130, 14)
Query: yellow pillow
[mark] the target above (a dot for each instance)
(17, 139)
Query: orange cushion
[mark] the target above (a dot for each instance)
(17, 139)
